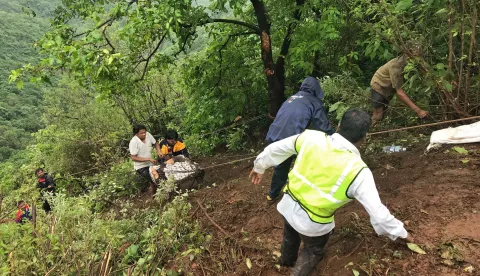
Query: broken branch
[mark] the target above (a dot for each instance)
(211, 220)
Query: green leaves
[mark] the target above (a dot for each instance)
(335, 106)
(403, 5)
(415, 248)
(20, 84)
(460, 150)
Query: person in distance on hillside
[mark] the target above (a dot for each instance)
(45, 184)
(296, 114)
(327, 173)
(172, 146)
(388, 81)
(23, 212)
(140, 148)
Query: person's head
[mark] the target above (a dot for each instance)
(39, 172)
(354, 126)
(171, 136)
(21, 205)
(312, 86)
(140, 131)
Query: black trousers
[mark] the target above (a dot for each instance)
(311, 254)
(280, 176)
(378, 100)
(46, 206)
(145, 174)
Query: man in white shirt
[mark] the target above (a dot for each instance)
(327, 174)
(140, 148)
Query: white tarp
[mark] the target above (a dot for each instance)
(180, 170)
(457, 135)
(177, 171)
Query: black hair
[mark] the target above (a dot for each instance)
(39, 169)
(137, 128)
(171, 134)
(20, 202)
(354, 125)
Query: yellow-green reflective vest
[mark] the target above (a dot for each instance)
(321, 175)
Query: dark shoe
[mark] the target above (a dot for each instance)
(271, 200)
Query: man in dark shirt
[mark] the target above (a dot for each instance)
(45, 184)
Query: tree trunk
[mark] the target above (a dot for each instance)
(275, 72)
(275, 89)
(462, 40)
(473, 42)
(316, 73)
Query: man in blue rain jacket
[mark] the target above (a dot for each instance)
(296, 114)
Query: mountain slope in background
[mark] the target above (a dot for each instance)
(20, 110)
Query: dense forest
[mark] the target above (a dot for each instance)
(75, 75)
(21, 109)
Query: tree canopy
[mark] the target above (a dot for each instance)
(217, 71)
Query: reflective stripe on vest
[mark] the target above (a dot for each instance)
(321, 175)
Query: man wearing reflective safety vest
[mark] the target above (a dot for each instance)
(327, 174)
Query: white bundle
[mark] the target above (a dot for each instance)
(458, 135)
(180, 170)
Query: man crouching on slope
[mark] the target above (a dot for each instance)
(328, 173)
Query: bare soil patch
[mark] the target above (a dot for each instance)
(437, 195)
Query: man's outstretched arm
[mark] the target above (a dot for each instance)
(271, 156)
(406, 100)
(381, 219)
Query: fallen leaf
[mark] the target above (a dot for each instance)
(415, 248)
(277, 253)
(237, 118)
(349, 264)
(447, 254)
(423, 211)
(407, 222)
(468, 269)
(277, 266)
(249, 263)
(461, 150)
(355, 272)
(451, 252)
(465, 161)
(448, 262)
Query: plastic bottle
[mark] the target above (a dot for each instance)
(394, 148)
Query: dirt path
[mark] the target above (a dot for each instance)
(437, 195)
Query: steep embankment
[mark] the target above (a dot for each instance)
(436, 195)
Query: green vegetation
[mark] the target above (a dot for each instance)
(211, 69)
(20, 110)
(77, 241)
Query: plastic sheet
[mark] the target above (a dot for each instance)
(458, 135)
